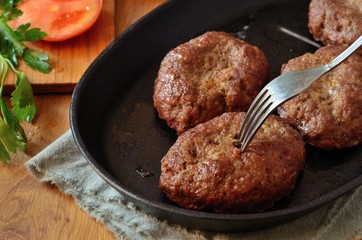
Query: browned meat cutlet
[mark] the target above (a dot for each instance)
(335, 22)
(329, 113)
(207, 76)
(204, 170)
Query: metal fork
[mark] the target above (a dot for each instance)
(280, 90)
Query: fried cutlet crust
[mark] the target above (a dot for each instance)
(204, 170)
(335, 22)
(207, 76)
(329, 113)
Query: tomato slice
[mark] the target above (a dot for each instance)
(60, 19)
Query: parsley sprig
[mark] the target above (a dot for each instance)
(12, 48)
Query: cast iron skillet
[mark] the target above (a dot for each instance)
(119, 133)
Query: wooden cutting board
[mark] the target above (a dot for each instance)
(70, 59)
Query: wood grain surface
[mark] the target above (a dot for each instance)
(35, 211)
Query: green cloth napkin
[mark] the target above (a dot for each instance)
(62, 164)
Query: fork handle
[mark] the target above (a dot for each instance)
(346, 53)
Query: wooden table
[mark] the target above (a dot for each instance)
(33, 210)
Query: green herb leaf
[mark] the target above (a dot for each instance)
(22, 99)
(10, 39)
(8, 10)
(12, 135)
(4, 155)
(9, 141)
(29, 35)
(36, 60)
(10, 120)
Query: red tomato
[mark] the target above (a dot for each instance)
(60, 19)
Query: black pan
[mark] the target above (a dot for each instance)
(120, 134)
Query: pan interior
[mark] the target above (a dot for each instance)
(129, 140)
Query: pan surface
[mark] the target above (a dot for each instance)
(119, 132)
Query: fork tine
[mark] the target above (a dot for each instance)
(259, 101)
(257, 115)
(250, 116)
(259, 119)
(280, 89)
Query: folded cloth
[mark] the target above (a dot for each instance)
(62, 164)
